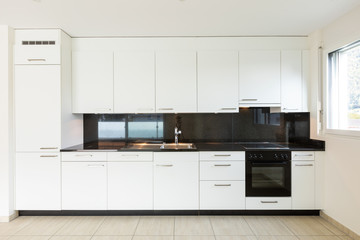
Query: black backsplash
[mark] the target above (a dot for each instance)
(249, 125)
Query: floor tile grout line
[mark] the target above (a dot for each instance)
(97, 229)
(277, 218)
(137, 224)
(14, 234)
(251, 228)
(174, 228)
(212, 227)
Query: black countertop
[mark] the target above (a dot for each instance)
(311, 145)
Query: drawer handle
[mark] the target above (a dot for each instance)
(130, 155)
(249, 99)
(304, 155)
(164, 165)
(48, 156)
(83, 155)
(304, 165)
(36, 59)
(222, 185)
(96, 165)
(228, 108)
(222, 165)
(269, 201)
(166, 109)
(222, 155)
(48, 148)
(144, 109)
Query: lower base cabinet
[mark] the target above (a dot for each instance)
(130, 185)
(38, 181)
(303, 185)
(222, 195)
(176, 181)
(268, 203)
(84, 185)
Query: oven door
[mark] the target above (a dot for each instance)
(268, 178)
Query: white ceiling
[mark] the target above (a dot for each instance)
(83, 18)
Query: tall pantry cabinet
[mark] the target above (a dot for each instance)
(44, 122)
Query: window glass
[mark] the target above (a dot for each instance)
(344, 88)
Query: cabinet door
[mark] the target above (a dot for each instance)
(176, 181)
(84, 186)
(134, 82)
(176, 82)
(37, 108)
(303, 185)
(222, 195)
(291, 81)
(218, 81)
(37, 181)
(92, 78)
(259, 80)
(130, 185)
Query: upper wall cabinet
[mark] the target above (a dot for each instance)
(134, 82)
(259, 80)
(92, 76)
(218, 81)
(291, 81)
(176, 82)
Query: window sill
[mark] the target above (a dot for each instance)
(343, 133)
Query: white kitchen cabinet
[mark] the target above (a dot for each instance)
(222, 170)
(218, 81)
(176, 181)
(176, 82)
(268, 203)
(291, 81)
(37, 181)
(92, 82)
(38, 108)
(130, 185)
(221, 195)
(303, 184)
(259, 78)
(84, 185)
(41, 54)
(134, 82)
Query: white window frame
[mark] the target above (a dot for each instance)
(325, 80)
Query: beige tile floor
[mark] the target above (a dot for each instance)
(171, 228)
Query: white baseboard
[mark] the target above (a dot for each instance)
(344, 229)
(9, 218)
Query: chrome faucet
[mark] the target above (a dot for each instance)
(177, 133)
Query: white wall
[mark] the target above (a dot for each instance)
(6, 124)
(342, 160)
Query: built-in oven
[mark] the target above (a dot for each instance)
(268, 173)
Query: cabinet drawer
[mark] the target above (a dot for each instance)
(37, 54)
(302, 155)
(222, 170)
(130, 156)
(222, 195)
(268, 203)
(170, 156)
(228, 156)
(83, 156)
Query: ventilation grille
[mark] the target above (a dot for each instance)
(38, 42)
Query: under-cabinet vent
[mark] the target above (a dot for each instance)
(38, 42)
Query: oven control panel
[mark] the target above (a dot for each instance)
(268, 155)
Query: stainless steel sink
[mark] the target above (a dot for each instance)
(157, 146)
(178, 146)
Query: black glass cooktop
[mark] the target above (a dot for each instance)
(262, 145)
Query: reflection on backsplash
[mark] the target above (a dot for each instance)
(249, 125)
